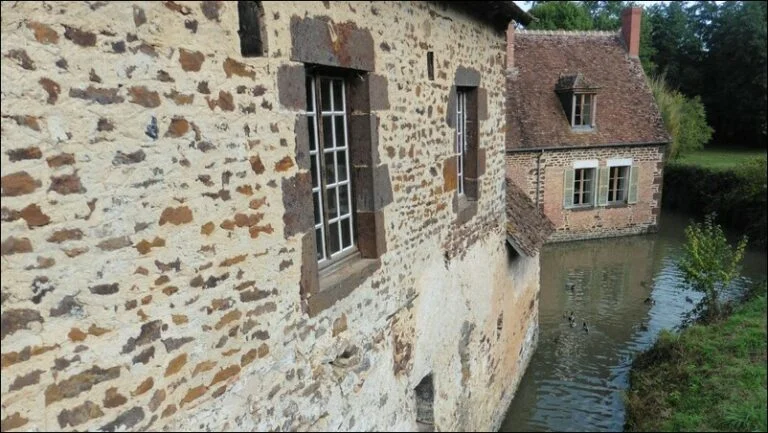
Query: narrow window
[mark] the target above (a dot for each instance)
(425, 400)
(430, 65)
(617, 184)
(461, 137)
(583, 187)
(329, 160)
(253, 36)
(583, 110)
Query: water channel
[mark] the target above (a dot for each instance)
(576, 377)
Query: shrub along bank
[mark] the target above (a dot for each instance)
(737, 195)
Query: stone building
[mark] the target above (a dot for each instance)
(585, 138)
(260, 216)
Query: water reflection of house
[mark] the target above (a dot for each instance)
(611, 278)
(585, 138)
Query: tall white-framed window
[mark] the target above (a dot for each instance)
(330, 167)
(461, 137)
(583, 110)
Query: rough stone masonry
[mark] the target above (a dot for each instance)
(152, 259)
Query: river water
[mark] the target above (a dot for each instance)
(576, 377)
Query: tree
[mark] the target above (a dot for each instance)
(684, 118)
(564, 15)
(737, 67)
(709, 263)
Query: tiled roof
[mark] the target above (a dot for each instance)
(626, 111)
(577, 81)
(527, 226)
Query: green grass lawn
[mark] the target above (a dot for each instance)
(707, 378)
(721, 158)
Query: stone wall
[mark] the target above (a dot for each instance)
(597, 222)
(151, 279)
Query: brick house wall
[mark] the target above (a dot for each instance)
(597, 221)
(155, 223)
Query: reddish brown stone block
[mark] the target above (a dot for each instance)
(43, 33)
(52, 88)
(14, 245)
(66, 184)
(190, 60)
(60, 159)
(33, 216)
(233, 67)
(19, 183)
(176, 216)
(80, 37)
(142, 96)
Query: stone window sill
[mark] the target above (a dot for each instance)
(581, 208)
(617, 205)
(339, 281)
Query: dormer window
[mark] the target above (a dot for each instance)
(579, 99)
(583, 110)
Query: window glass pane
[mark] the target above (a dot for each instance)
(330, 171)
(587, 198)
(346, 233)
(327, 132)
(341, 160)
(318, 212)
(334, 237)
(585, 118)
(341, 139)
(578, 174)
(576, 198)
(310, 98)
(311, 131)
(313, 168)
(577, 115)
(333, 210)
(319, 243)
(344, 200)
(338, 103)
(325, 95)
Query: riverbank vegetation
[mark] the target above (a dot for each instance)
(738, 195)
(712, 375)
(709, 377)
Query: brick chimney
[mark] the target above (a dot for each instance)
(510, 45)
(630, 30)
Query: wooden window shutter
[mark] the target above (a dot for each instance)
(602, 188)
(568, 188)
(633, 175)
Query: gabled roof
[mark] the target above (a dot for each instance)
(626, 112)
(527, 226)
